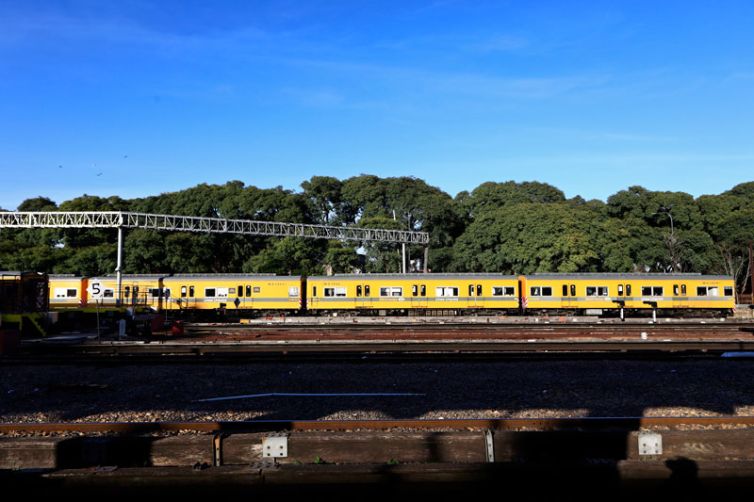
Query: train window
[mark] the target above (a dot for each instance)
(191, 291)
(240, 291)
(127, 291)
(535, 291)
(293, 291)
(707, 291)
(167, 292)
(565, 289)
(683, 289)
(479, 290)
(231, 291)
(573, 290)
(209, 292)
(335, 292)
(728, 291)
(183, 291)
(394, 291)
(414, 290)
(620, 289)
(657, 290)
(596, 291)
(358, 290)
(248, 290)
(257, 289)
(70, 293)
(108, 293)
(136, 290)
(329, 291)
(471, 290)
(314, 290)
(446, 291)
(503, 291)
(701, 291)
(154, 292)
(646, 291)
(424, 290)
(675, 290)
(367, 290)
(546, 291)
(628, 290)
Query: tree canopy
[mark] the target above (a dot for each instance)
(506, 227)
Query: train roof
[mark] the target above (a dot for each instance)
(627, 276)
(416, 276)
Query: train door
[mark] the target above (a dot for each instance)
(568, 296)
(419, 296)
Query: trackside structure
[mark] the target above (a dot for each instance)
(121, 220)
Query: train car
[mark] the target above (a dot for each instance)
(374, 292)
(233, 291)
(136, 290)
(23, 292)
(587, 291)
(67, 291)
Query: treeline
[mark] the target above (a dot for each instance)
(512, 228)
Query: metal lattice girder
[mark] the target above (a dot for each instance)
(119, 219)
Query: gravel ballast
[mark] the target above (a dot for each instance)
(512, 389)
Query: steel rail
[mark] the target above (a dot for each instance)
(498, 424)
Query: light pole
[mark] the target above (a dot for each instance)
(671, 241)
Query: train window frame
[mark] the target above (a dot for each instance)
(240, 290)
(207, 292)
(314, 291)
(127, 292)
(423, 290)
(479, 290)
(367, 290)
(446, 292)
(154, 292)
(293, 291)
(503, 291)
(414, 290)
(628, 290)
(565, 290)
(108, 293)
(192, 292)
(597, 291)
(390, 291)
(471, 290)
(620, 289)
(727, 290)
(335, 292)
(540, 291)
(683, 290)
(231, 291)
(248, 290)
(358, 290)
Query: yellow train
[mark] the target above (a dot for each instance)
(399, 293)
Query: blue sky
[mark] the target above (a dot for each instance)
(137, 97)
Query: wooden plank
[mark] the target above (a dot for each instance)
(29, 453)
(733, 444)
(362, 447)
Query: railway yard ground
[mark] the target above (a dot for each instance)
(584, 409)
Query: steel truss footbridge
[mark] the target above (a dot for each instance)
(121, 220)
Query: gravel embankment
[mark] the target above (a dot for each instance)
(446, 390)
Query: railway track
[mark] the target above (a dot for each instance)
(402, 351)
(601, 456)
